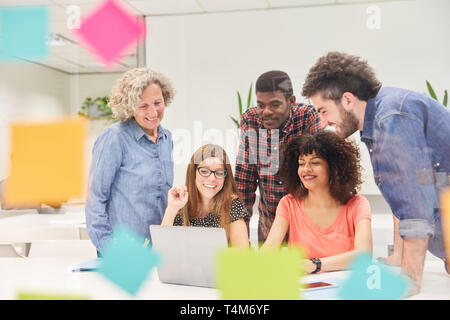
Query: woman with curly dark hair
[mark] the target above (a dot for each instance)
(322, 210)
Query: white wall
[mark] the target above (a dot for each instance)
(29, 92)
(32, 92)
(209, 57)
(90, 85)
(93, 86)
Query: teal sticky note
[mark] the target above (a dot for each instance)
(126, 261)
(23, 32)
(372, 281)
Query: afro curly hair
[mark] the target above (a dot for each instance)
(342, 157)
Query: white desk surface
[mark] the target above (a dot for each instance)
(29, 225)
(54, 276)
(30, 217)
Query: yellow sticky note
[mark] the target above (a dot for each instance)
(260, 275)
(47, 162)
(445, 218)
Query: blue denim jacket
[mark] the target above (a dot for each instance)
(129, 181)
(408, 137)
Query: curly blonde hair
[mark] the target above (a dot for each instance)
(126, 93)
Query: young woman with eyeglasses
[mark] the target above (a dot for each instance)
(210, 197)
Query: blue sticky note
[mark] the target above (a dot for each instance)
(126, 262)
(23, 32)
(372, 281)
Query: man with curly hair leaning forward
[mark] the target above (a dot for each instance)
(407, 134)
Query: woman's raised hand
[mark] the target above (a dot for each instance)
(177, 198)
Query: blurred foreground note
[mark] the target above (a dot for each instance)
(445, 217)
(260, 275)
(47, 162)
(110, 30)
(23, 32)
(126, 262)
(372, 281)
(28, 295)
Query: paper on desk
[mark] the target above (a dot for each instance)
(47, 162)
(89, 265)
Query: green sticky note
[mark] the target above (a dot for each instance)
(260, 275)
(48, 296)
(126, 262)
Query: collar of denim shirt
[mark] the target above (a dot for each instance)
(138, 133)
(369, 118)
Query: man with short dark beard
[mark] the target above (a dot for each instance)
(407, 134)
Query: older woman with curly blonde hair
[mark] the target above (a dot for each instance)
(132, 166)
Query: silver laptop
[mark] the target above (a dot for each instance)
(188, 254)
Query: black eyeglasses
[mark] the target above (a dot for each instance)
(205, 172)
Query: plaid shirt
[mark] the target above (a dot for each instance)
(258, 159)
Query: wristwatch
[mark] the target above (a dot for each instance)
(318, 264)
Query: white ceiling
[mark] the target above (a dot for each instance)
(73, 58)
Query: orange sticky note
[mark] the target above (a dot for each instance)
(47, 162)
(445, 218)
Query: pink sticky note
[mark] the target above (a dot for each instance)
(109, 31)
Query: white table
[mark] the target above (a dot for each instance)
(21, 226)
(54, 276)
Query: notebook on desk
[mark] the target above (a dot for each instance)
(188, 254)
(89, 265)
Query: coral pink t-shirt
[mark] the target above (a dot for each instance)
(337, 238)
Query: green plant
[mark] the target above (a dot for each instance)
(240, 107)
(433, 94)
(96, 109)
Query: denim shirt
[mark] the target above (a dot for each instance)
(408, 137)
(129, 181)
